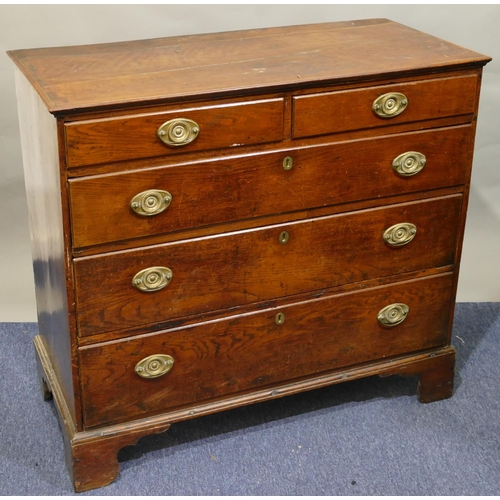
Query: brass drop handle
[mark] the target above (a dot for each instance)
(178, 132)
(152, 279)
(393, 314)
(400, 234)
(390, 105)
(150, 202)
(154, 366)
(409, 163)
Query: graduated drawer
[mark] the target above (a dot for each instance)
(235, 354)
(334, 112)
(243, 187)
(234, 269)
(136, 136)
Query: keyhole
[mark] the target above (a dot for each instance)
(284, 237)
(288, 163)
(279, 319)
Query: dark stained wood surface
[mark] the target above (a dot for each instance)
(206, 155)
(98, 76)
(91, 454)
(256, 185)
(243, 224)
(333, 112)
(251, 351)
(93, 461)
(48, 247)
(244, 267)
(129, 137)
(437, 381)
(266, 93)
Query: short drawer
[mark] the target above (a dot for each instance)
(161, 283)
(112, 208)
(225, 357)
(334, 112)
(190, 129)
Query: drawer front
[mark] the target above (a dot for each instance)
(131, 137)
(234, 269)
(238, 354)
(251, 186)
(334, 112)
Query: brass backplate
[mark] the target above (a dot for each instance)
(152, 279)
(178, 132)
(393, 314)
(151, 202)
(154, 366)
(390, 105)
(400, 234)
(409, 163)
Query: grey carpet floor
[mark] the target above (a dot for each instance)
(366, 437)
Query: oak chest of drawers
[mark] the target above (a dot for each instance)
(229, 218)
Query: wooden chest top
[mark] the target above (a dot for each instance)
(90, 77)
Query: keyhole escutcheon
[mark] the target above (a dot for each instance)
(284, 237)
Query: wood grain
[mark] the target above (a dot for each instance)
(209, 155)
(73, 79)
(43, 193)
(239, 353)
(129, 137)
(91, 454)
(243, 267)
(94, 460)
(437, 380)
(259, 95)
(333, 112)
(256, 185)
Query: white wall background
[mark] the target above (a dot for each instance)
(29, 26)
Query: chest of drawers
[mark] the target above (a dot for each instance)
(229, 218)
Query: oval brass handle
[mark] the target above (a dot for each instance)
(178, 132)
(151, 202)
(393, 314)
(390, 105)
(409, 163)
(154, 366)
(400, 234)
(152, 279)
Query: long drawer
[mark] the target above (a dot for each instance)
(334, 112)
(111, 208)
(160, 283)
(220, 358)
